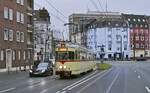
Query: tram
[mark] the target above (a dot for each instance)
(73, 60)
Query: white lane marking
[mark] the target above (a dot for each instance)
(79, 81)
(84, 81)
(90, 79)
(147, 88)
(45, 90)
(139, 76)
(58, 92)
(135, 71)
(80, 91)
(6, 90)
(112, 83)
(63, 92)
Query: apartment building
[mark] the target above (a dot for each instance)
(79, 21)
(15, 23)
(42, 35)
(139, 35)
(109, 38)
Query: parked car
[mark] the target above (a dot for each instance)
(42, 69)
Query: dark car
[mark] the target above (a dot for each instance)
(42, 69)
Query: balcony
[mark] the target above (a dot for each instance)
(29, 8)
(30, 28)
(30, 45)
(29, 14)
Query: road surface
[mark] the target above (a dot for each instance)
(123, 77)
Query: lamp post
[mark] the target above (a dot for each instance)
(121, 47)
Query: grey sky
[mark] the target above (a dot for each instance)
(68, 7)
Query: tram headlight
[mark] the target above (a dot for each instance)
(65, 67)
(60, 67)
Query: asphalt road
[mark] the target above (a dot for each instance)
(123, 77)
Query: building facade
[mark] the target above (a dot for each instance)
(78, 22)
(139, 35)
(109, 38)
(14, 52)
(42, 35)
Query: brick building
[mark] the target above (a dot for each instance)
(139, 35)
(15, 27)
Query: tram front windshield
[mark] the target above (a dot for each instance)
(65, 55)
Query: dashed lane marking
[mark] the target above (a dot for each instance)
(147, 88)
(63, 92)
(80, 91)
(7, 90)
(58, 92)
(45, 90)
(112, 83)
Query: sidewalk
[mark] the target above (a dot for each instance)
(15, 69)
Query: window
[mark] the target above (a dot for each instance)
(143, 20)
(131, 38)
(10, 14)
(117, 24)
(24, 55)
(142, 38)
(14, 55)
(18, 1)
(142, 45)
(6, 12)
(137, 37)
(22, 36)
(146, 26)
(19, 56)
(139, 20)
(136, 25)
(131, 25)
(2, 55)
(22, 18)
(137, 45)
(146, 38)
(10, 35)
(129, 19)
(118, 48)
(18, 36)
(21, 2)
(134, 19)
(6, 32)
(124, 25)
(125, 36)
(131, 31)
(29, 55)
(109, 36)
(18, 16)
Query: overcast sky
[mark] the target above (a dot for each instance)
(68, 7)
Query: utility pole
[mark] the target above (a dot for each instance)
(121, 47)
(134, 46)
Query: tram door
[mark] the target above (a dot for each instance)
(8, 59)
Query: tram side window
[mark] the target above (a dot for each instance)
(71, 55)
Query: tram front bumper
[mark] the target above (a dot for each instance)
(63, 73)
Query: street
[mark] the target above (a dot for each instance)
(123, 77)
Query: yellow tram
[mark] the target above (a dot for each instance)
(73, 60)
